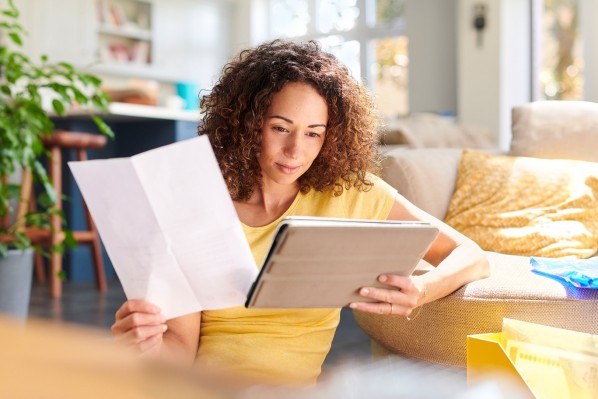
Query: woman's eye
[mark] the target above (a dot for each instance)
(281, 129)
(313, 134)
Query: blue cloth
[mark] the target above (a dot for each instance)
(582, 273)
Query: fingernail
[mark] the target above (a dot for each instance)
(162, 318)
(353, 306)
(383, 278)
(164, 327)
(364, 291)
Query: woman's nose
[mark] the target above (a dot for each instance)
(293, 145)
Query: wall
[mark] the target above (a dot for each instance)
(431, 29)
(495, 75)
(588, 9)
(190, 39)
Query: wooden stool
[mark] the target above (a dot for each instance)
(80, 142)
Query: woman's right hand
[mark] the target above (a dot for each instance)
(140, 324)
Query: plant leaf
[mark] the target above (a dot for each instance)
(58, 106)
(104, 128)
(15, 38)
(69, 239)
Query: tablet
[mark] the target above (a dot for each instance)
(316, 262)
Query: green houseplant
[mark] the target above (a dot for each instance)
(25, 86)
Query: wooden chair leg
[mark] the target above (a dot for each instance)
(99, 265)
(39, 264)
(55, 269)
(96, 251)
(56, 224)
(40, 272)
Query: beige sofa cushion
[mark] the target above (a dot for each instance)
(425, 177)
(556, 129)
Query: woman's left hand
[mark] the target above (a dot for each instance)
(404, 294)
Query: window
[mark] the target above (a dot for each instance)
(367, 35)
(561, 72)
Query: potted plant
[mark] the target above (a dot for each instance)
(25, 87)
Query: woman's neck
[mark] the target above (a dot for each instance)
(266, 204)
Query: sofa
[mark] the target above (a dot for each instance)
(547, 131)
(426, 129)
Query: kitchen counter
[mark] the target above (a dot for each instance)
(123, 112)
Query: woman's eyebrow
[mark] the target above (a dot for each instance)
(291, 121)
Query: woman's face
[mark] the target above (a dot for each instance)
(293, 133)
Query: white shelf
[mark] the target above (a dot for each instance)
(124, 32)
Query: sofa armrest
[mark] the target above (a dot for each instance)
(425, 176)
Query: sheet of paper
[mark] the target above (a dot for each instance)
(169, 227)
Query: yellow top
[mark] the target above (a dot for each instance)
(285, 345)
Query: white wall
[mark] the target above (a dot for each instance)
(588, 10)
(493, 76)
(431, 30)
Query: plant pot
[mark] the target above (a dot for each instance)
(16, 273)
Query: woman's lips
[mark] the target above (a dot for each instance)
(287, 168)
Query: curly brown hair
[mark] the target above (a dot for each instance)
(234, 110)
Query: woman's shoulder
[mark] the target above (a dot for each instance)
(355, 187)
(352, 200)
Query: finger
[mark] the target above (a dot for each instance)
(139, 334)
(136, 305)
(400, 282)
(134, 320)
(149, 345)
(382, 294)
(381, 308)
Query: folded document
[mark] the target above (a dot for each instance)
(169, 226)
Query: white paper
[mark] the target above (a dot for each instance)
(169, 226)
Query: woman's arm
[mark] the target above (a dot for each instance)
(141, 324)
(457, 260)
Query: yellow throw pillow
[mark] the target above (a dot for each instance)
(527, 206)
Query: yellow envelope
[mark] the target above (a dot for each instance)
(487, 359)
(539, 371)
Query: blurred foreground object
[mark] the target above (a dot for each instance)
(392, 378)
(48, 360)
(547, 362)
(44, 360)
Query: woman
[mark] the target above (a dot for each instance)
(293, 133)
